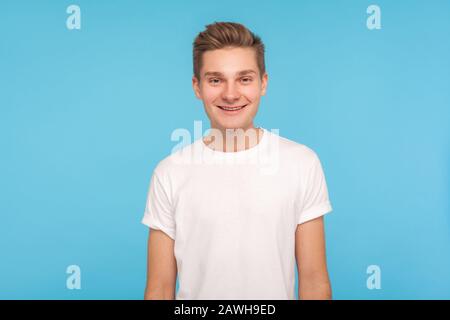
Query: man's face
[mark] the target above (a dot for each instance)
(230, 78)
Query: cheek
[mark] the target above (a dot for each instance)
(251, 92)
(210, 94)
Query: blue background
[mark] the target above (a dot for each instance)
(87, 114)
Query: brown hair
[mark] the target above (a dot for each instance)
(219, 35)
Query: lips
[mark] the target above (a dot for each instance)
(232, 108)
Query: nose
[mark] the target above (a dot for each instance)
(230, 93)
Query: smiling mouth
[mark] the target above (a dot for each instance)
(232, 108)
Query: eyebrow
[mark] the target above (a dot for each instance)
(219, 74)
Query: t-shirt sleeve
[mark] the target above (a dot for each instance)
(315, 201)
(158, 212)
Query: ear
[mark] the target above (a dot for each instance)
(196, 87)
(264, 81)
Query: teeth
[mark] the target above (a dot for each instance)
(232, 108)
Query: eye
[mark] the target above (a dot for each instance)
(246, 79)
(214, 81)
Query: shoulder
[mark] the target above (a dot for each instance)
(296, 151)
(176, 160)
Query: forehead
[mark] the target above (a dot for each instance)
(229, 61)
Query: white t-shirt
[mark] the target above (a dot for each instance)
(233, 215)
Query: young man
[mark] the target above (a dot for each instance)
(226, 227)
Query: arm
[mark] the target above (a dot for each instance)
(314, 283)
(161, 267)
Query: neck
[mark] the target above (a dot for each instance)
(233, 139)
